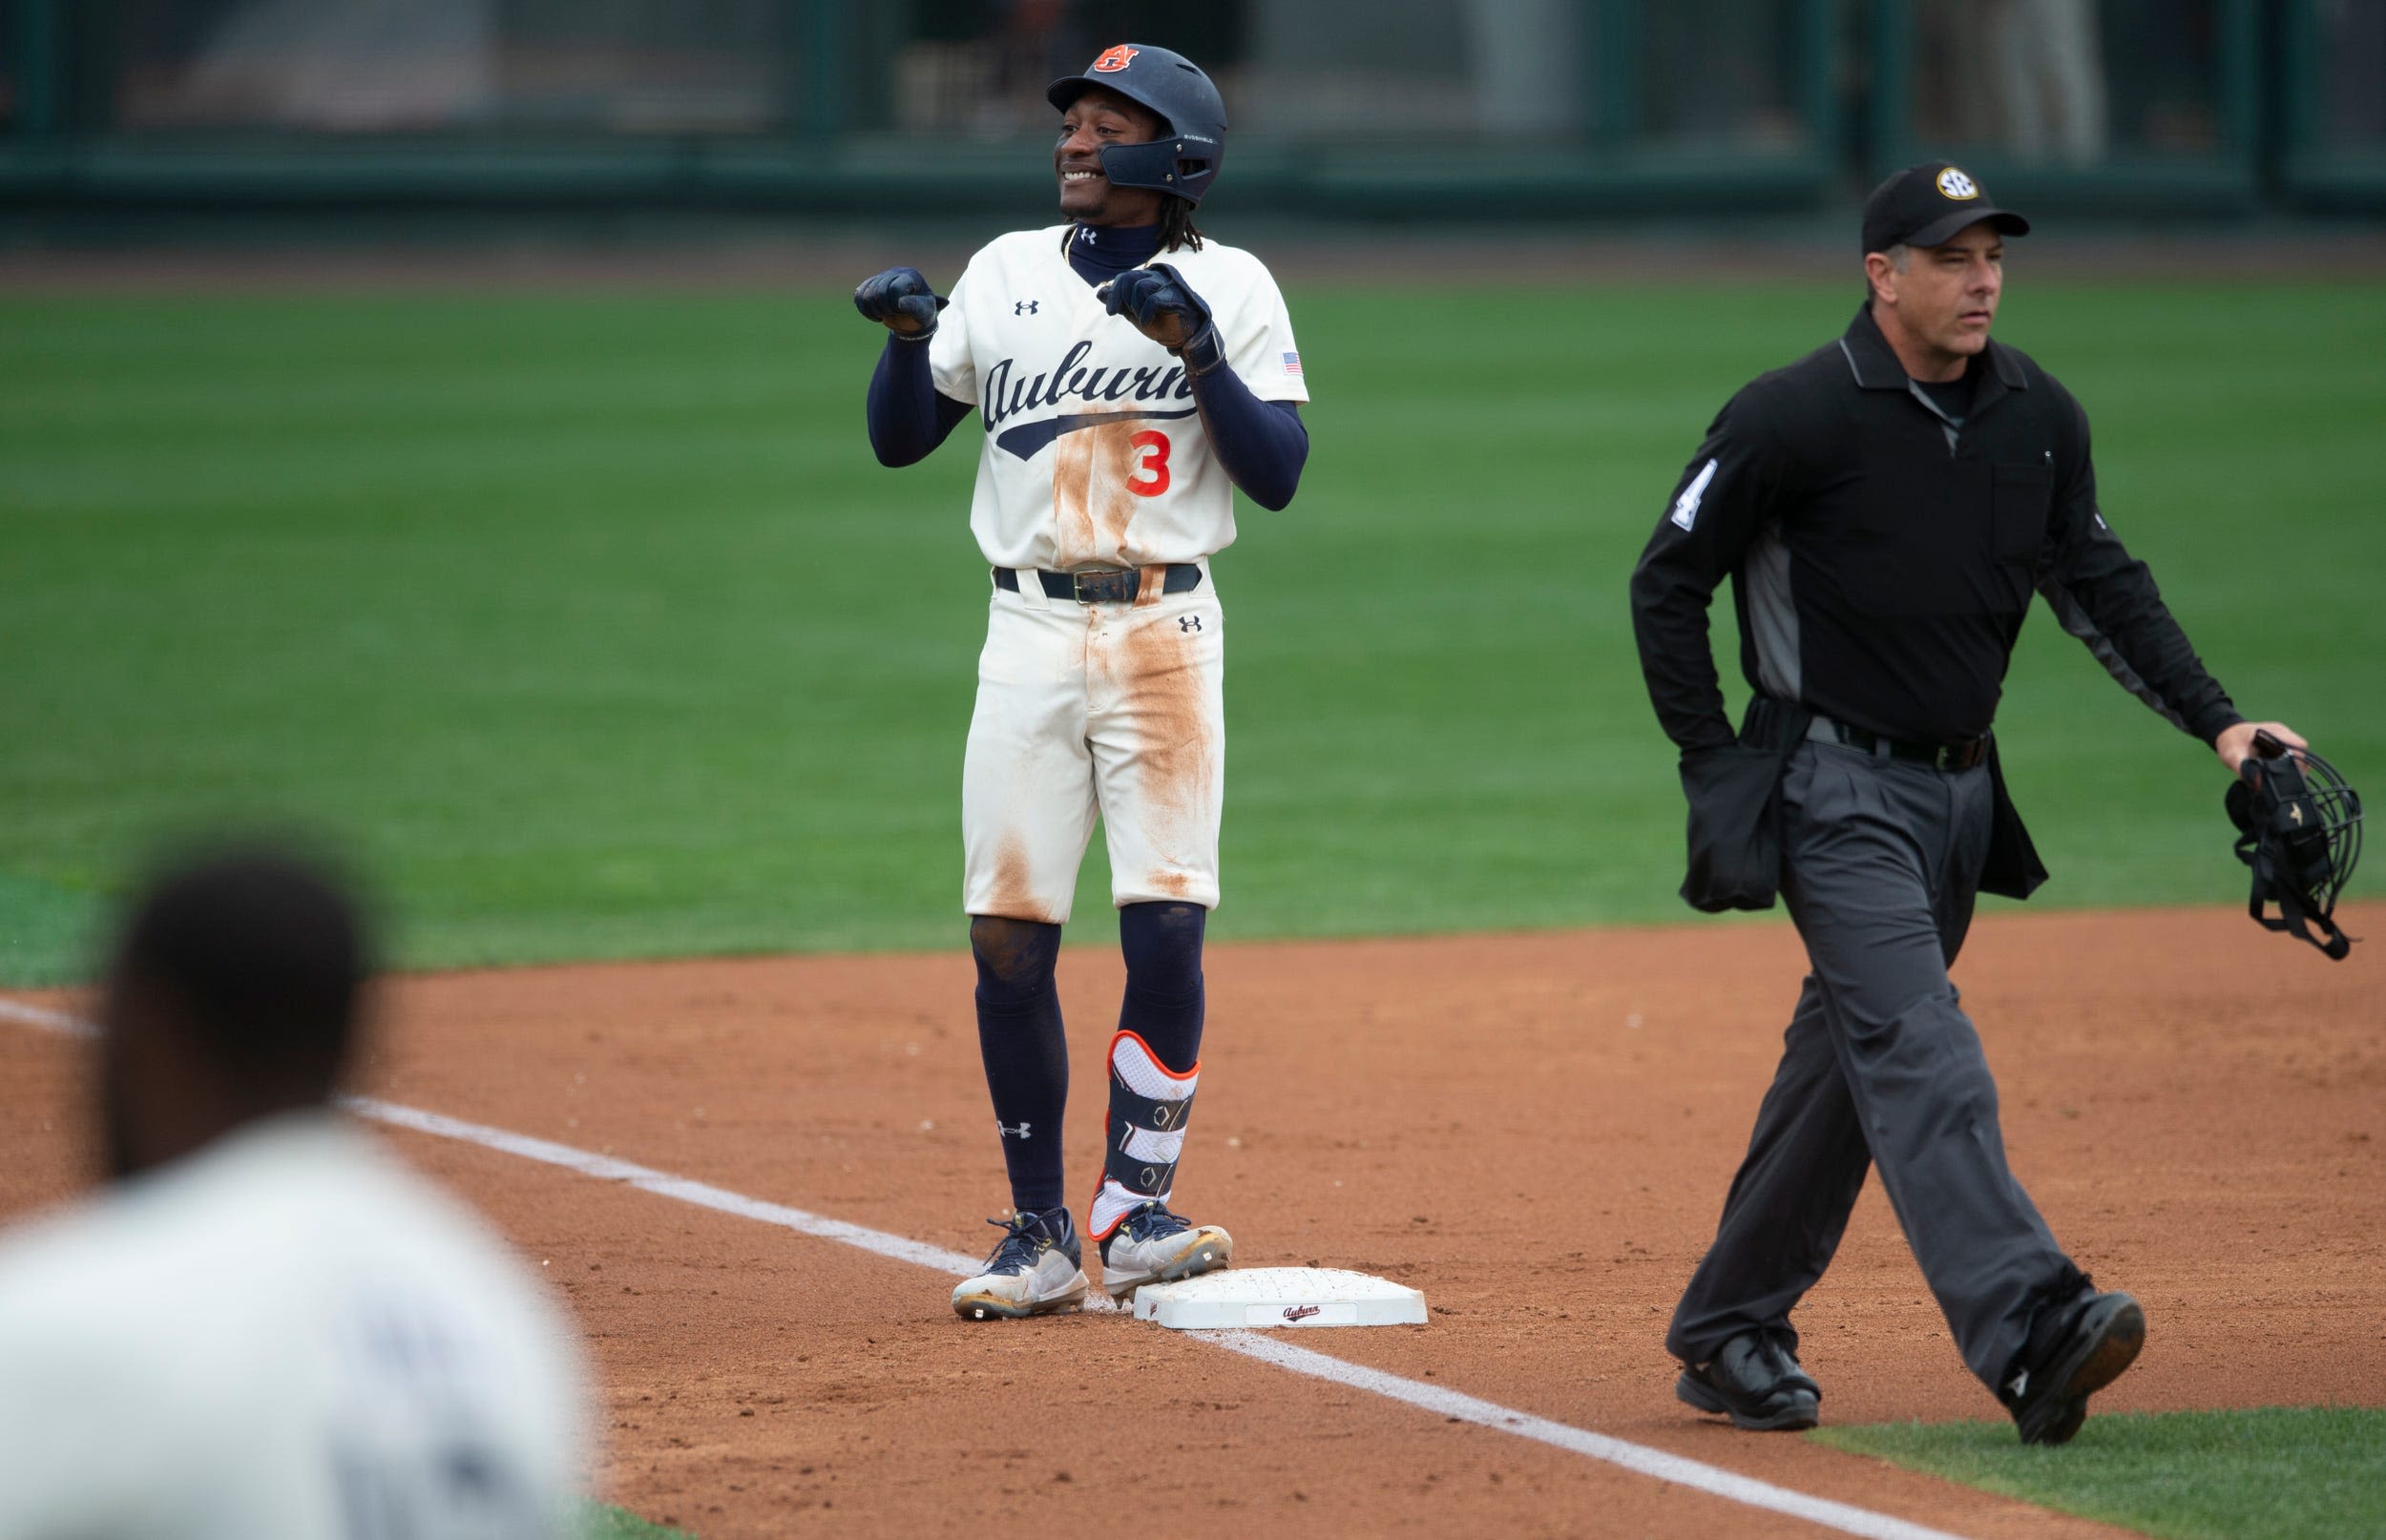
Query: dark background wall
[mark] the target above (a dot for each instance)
(1398, 109)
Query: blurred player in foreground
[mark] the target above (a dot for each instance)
(264, 1324)
(1131, 376)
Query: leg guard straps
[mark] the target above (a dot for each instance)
(1150, 1105)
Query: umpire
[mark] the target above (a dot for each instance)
(1885, 506)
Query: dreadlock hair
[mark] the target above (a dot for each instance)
(266, 958)
(1176, 226)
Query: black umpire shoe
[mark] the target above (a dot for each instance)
(1754, 1381)
(2075, 1348)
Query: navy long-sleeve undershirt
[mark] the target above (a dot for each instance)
(909, 416)
(1262, 446)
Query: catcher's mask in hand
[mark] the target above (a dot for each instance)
(2299, 829)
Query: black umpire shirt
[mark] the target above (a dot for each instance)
(1883, 552)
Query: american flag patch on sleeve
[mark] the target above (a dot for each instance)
(1292, 363)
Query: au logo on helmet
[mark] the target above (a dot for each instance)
(1950, 181)
(1115, 58)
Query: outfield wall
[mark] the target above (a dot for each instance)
(1466, 110)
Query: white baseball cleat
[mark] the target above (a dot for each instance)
(1038, 1269)
(1153, 1246)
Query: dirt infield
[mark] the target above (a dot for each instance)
(1534, 1130)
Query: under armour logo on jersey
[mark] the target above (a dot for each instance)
(1188, 623)
(1686, 508)
(1023, 307)
(1008, 1132)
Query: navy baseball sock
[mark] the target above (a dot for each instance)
(1152, 1062)
(1026, 1053)
(1162, 943)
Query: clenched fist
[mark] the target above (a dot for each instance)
(900, 300)
(1164, 308)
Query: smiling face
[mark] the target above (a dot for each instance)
(1095, 120)
(1935, 311)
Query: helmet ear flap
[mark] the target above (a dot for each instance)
(1160, 165)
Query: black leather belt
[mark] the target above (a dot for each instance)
(1955, 754)
(1107, 585)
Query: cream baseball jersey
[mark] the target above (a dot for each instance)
(1095, 455)
(285, 1334)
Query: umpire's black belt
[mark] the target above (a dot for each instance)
(1955, 754)
(1107, 585)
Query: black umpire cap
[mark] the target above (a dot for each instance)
(1925, 205)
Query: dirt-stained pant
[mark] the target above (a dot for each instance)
(1116, 710)
(1882, 862)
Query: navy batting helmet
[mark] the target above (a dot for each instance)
(1185, 160)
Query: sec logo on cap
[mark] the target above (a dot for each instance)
(1950, 181)
(1115, 60)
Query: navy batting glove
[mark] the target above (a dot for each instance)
(1164, 308)
(900, 300)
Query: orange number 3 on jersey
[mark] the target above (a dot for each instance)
(1155, 447)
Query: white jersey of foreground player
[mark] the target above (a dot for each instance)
(287, 1334)
(1094, 452)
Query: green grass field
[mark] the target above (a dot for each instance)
(588, 626)
(2270, 1473)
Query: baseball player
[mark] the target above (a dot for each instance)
(266, 1325)
(1885, 508)
(1130, 375)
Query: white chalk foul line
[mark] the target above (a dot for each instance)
(605, 1168)
(1640, 1459)
(56, 1021)
(1679, 1470)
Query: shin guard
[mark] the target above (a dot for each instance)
(1149, 1104)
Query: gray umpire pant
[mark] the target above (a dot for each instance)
(1881, 861)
